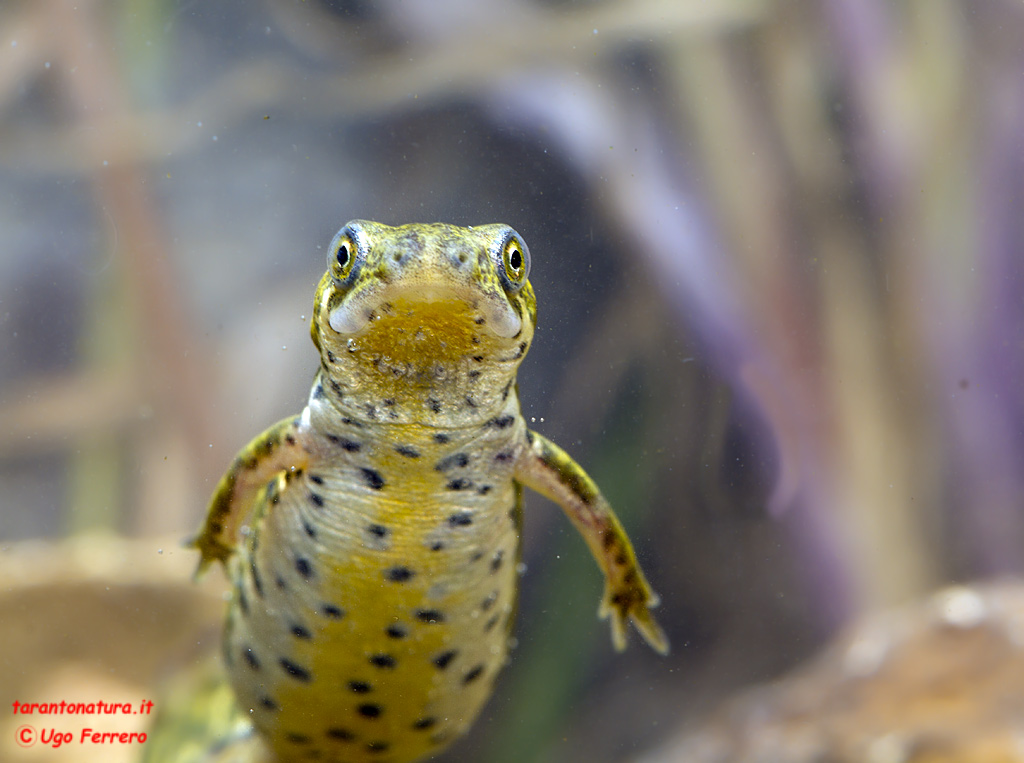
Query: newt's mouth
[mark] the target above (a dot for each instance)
(429, 308)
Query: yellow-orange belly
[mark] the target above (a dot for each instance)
(374, 595)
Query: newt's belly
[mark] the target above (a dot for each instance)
(373, 601)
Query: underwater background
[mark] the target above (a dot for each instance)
(778, 251)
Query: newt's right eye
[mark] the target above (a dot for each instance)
(342, 256)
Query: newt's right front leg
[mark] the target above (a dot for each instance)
(277, 451)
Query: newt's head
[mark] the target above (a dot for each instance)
(424, 321)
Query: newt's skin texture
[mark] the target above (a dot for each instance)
(373, 540)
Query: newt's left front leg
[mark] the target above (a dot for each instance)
(550, 471)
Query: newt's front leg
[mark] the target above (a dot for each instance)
(276, 452)
(550, 471)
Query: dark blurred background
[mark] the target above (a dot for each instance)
(777, 251)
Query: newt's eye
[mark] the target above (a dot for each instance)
(515, 262)
(342, 256)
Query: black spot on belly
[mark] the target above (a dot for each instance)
(398, 574)
(501, 422)
(383, 661)
(396, 631)
(316, 479)
(338, 391)
(303, 567)
(505, 455)
(459, 484)
(460, 519)
(279, 582)
(425, 723)
(318, 391)
(243, 602)
(340, 734)
(455, 460)
(372, 478)
(309, 529)
(496, 561)
(487, 603)
(370, 710)
(295, 671)
(257, 582)
(470, 402)
(489, 626)
(435, 404)
(442, 660)
(302, 632)
(296, 738)
(352, 423)
(407, 450)
(345, 444)
(473, 674)
(441, 438)
(483, 490)
(379, 531)
(333, 612)
(316, 499)
(268, 703)
(473, 374)
(377, 747)
(360, 687)
(251, 658)
(432, 616)
(436, 545)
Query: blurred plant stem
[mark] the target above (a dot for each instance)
(98, 469)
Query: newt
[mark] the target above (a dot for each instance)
(373, 541)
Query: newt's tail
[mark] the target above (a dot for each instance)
(198, 721)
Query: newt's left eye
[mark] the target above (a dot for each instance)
(515, 262)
